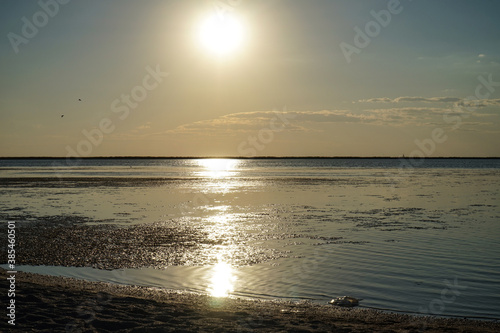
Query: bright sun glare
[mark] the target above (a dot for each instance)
(222, 280)
(221, 35)
(218, 167)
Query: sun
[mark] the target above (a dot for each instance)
(221, 35)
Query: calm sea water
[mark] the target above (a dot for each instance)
(419, 236)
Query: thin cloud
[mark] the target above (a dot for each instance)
(243, 122)
(410, 110)
(143, 127)
(235, 124)
(457, 102)
(428, 100)
(477, 103)
(376, 100)
(412, 99)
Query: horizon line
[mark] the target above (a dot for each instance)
(244, 157)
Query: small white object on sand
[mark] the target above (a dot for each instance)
(347, 301)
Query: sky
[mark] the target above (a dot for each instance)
(86, 78)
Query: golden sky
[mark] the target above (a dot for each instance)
(248, 78)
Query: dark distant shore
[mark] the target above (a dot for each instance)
(241, 157)
(57, 304)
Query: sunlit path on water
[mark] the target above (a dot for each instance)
(222, 280)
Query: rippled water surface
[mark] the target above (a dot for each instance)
(419, 238)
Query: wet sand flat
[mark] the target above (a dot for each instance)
(287, 231)
(57, 304)
(73, 242)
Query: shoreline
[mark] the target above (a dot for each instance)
(49, 303)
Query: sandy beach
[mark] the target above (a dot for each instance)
(57, 304)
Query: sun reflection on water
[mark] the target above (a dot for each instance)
(222, 277)
(222, 280)
(218, 167)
